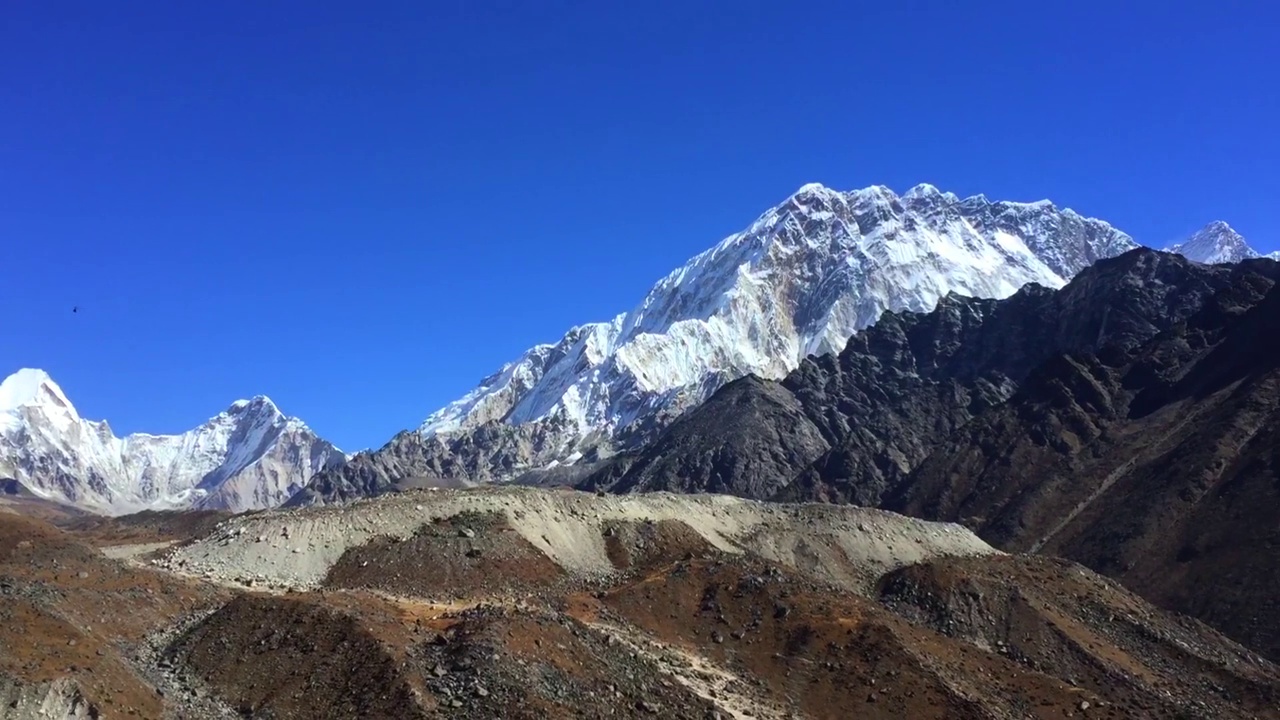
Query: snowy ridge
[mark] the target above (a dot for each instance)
(250, 456)
(1217, 243)
(802, 279)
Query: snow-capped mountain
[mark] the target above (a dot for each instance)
(802, 279)
(1217, 243)
(799, 281)
(250, 456)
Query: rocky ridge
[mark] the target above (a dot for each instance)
(850, 427)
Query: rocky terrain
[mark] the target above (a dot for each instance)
(530, 603)
(1155, 464)
(1126, 421)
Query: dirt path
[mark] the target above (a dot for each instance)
(728, 692)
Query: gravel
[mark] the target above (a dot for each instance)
(845, 545)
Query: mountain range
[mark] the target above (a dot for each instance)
(250, 456)
(797, 283)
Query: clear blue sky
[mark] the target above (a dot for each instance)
(361, 209)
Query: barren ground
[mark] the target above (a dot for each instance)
(528, 603)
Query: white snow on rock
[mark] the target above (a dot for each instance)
(1217, 243)
(250, 456)
(800, 280)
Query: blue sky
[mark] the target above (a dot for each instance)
(361, 209)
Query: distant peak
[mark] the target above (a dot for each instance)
(930, 193)
(257, 402)
(923, 190)
(31, 386)
(874, 194)
(1216, 242)
(812, 187)
(813, 190)
(1218, 228)
(881, 190)
(27, 376)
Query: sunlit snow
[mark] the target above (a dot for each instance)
(800, 280)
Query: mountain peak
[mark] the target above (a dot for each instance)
(798, 281)
(257, 402)
(814, 191)
(248, 457)
(811, 188)
(1215, 243)
(925, 191)
(31, 386)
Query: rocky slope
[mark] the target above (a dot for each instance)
(1126, 421)
(799, 281)
(523, 603)
(250, 456)
(849, 427)
(1155, 464)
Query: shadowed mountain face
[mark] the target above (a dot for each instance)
(1159, 465)
(1129, 421)
(851, 427)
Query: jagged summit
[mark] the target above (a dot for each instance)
(257, 403)
(798, 281)
(831, 261)
(29, 386)
(249, 456)
(1215, 243)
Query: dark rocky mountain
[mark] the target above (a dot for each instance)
(849, 427)
(1128, 421)
(413, 460)
(1158, 465)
